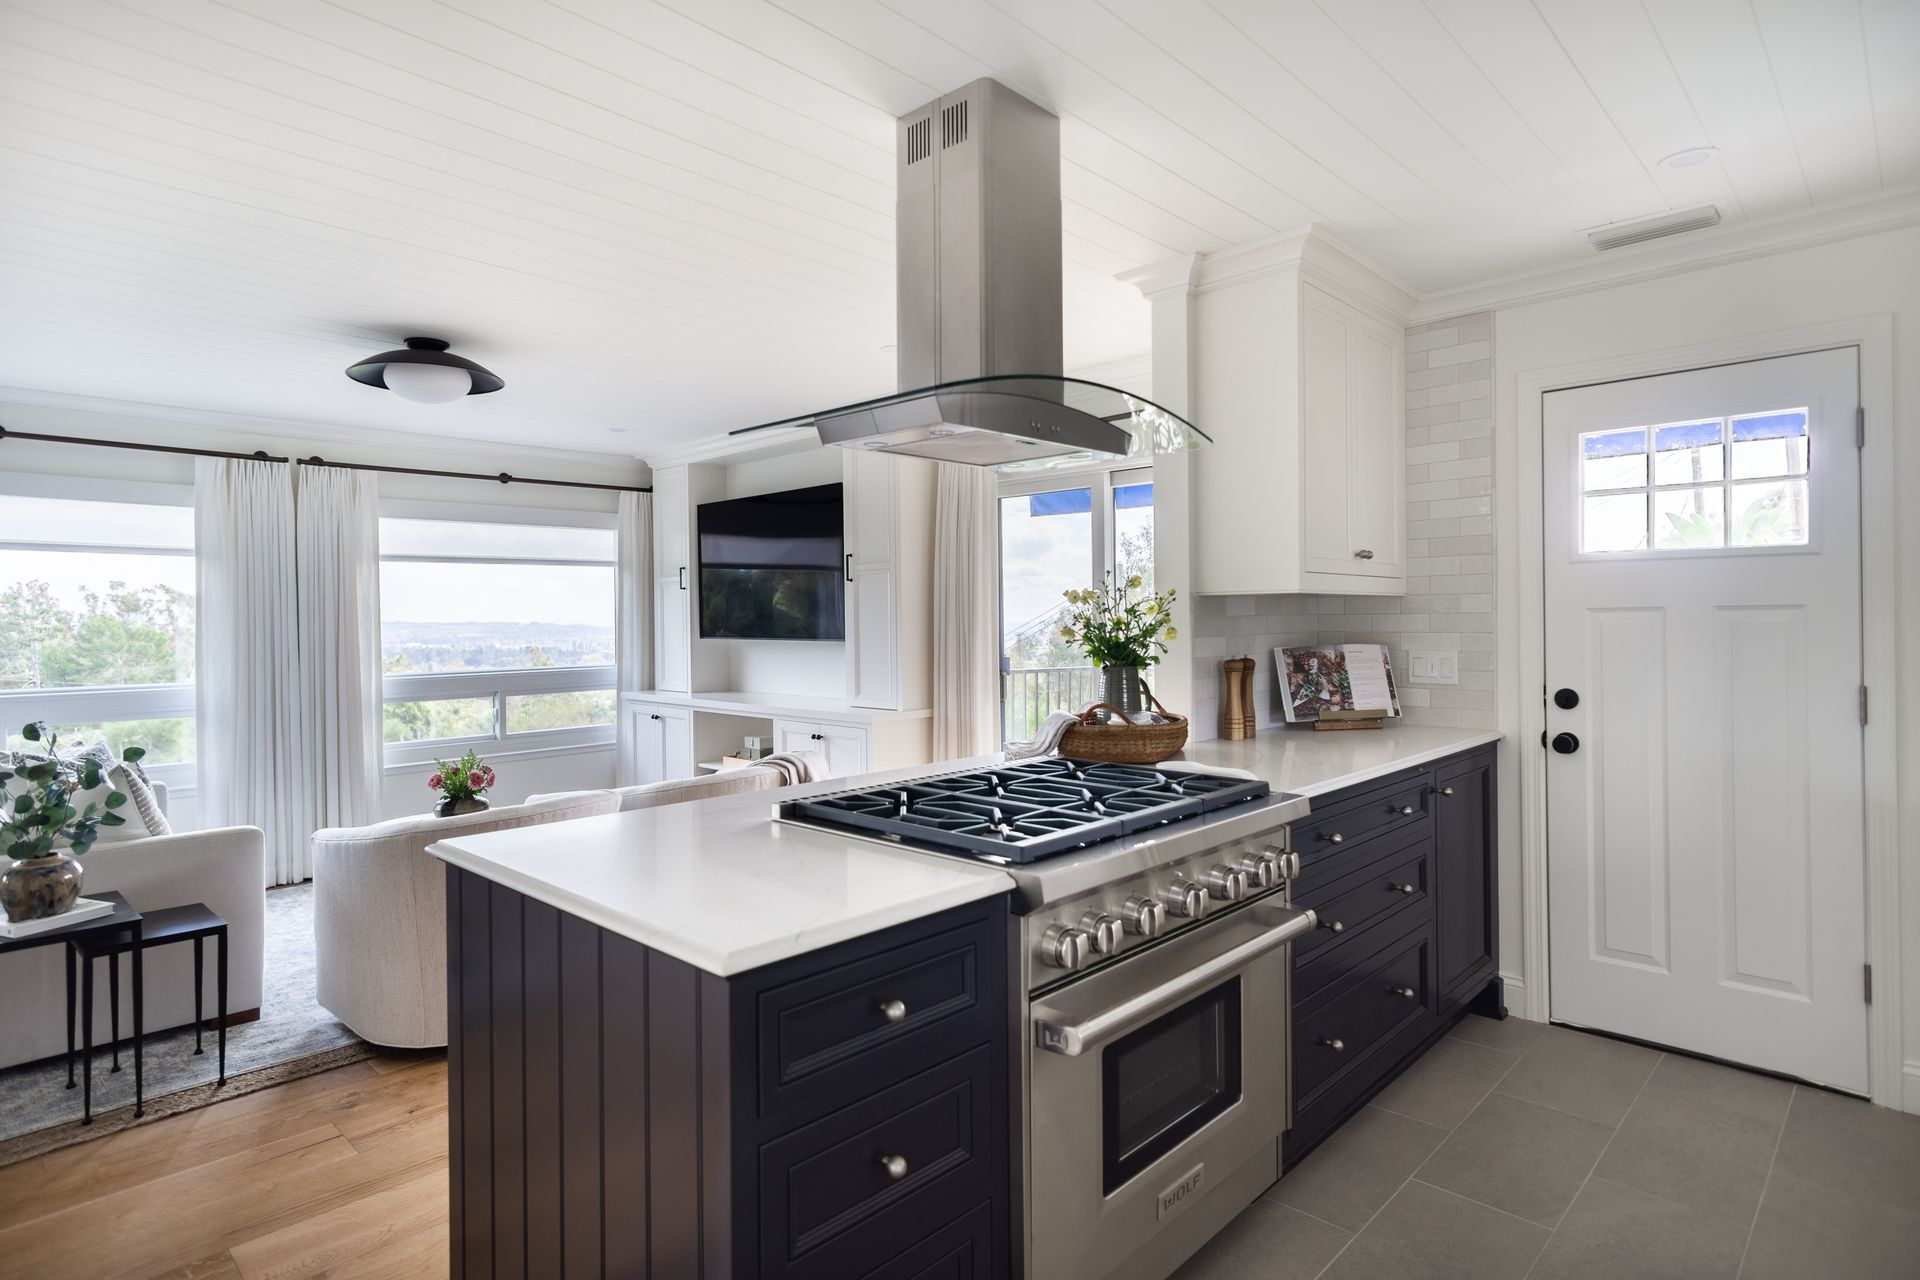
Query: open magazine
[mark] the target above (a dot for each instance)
(1343, 677)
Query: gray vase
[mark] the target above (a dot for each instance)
(36, 888)
(1121, 687)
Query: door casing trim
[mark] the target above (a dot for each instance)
(1872, 336)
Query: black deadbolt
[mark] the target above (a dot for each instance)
(1566, 699)
(1565, 743)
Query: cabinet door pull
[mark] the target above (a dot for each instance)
(896, 1166)
(1363, 554)
(1333, 926)
(1405, 993)
(1446, 791)
(654, 716)
(818, 737)
(683, 577)
(1406, 811)
(893, 1010)
(1402, 888)
(1334, 837)
(1334, 1043)
(849, 566)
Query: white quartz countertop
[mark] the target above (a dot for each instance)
(718, 883)
(1307, 763)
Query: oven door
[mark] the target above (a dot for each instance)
(1150, 1083)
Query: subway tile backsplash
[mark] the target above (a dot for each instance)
(1449, 600)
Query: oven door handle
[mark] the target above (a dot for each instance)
(1071, 1039)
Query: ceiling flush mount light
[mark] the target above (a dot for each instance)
(426, 372)
(1689, 158)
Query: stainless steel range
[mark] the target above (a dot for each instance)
(1155, 919)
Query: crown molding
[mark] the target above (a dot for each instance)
(1310, 250)
(249, 427)
(1735, 242)
(1173, 275)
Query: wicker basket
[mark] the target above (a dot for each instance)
(1124, 743)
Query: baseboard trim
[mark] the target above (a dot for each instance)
(1910, 1086)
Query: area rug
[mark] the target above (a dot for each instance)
(294, 1037)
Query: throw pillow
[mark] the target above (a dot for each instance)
(142, 812)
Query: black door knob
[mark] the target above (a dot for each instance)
(1565, 743)
(1566, 699)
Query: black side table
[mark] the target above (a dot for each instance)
(194, 922)
(122, 922)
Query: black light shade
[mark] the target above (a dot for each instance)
(429, 351)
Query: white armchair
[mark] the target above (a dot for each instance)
(224, 868)
(380, 915)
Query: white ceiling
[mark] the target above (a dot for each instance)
(661, 220)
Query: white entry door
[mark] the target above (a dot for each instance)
(1705, 845)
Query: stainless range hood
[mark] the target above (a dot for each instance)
(978, 272)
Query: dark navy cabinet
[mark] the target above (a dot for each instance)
(615, 1111)
(1402, 873)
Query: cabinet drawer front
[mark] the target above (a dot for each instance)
(829, 1203)
(1338, 833)
(814, 1030)
(1350, 913)
(961, 1250)
(1368, 1008)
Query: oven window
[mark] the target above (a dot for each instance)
(1163, 1083)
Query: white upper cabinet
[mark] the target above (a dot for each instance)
(672, 573)
(1298, 376)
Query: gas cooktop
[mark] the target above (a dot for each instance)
(1020, 813)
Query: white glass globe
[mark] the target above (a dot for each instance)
(428, 383)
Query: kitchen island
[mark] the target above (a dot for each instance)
(695, 1041)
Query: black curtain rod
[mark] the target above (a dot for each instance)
(261, 455)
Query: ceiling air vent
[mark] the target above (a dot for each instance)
(919, 140)
(1618, 235)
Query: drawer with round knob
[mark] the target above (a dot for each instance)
(868, 1020)
(866, 1182)
(1358, 905)
(1348, 826)
(1371, 1005)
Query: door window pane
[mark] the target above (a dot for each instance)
(438, 719)
(1689, 518)
(1614, 459)
(1770, 514)
(1770, 444)
(1615, 522)
(1688, 453)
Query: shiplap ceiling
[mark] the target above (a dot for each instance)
(661, 220)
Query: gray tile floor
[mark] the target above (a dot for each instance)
(1515, 1150)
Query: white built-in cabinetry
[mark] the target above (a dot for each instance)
(695, 713)
(1299, 381)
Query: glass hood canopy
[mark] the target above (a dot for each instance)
(1010, 422)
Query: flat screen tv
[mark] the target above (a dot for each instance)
(771, 566)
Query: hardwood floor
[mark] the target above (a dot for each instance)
(342, 1174)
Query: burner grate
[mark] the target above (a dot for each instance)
(1028, 811)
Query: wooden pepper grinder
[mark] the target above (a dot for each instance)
(1237, 722)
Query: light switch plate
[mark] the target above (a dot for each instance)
(1433, 666)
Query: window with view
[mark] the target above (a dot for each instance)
(97, 618)
(495, 632)
(1057, 534)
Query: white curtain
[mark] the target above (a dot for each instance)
(633, 615)
(966, 575)
(251, 738)
(337, 528)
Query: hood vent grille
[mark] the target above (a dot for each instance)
(953, 124)
(919, 143)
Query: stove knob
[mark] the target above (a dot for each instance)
(1144, 916)
(1064, 947)
(1185, 898)
(1103, 932)
(1228, 884)
(1263, 869)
